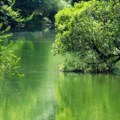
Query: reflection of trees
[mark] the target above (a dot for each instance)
(87, 97)
(17, 100)
(28, 98)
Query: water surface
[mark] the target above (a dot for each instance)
(45, 93)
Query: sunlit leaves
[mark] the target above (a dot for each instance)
(9, 63)
(91, 29)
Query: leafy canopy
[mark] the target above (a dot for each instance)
(90, 31)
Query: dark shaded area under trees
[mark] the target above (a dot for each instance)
(43, 12)
(40, 12)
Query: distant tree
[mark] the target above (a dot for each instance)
(41, 8)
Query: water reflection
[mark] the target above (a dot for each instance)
(88, 97)
(31, 97)
(47, 94)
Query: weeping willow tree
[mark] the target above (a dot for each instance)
(9, 63)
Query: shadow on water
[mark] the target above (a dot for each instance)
(47, 94)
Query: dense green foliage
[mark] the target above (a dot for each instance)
(44, 11)
(90, 31)
(9, 63)
(11, 18)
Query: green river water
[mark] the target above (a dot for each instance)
(45, 93)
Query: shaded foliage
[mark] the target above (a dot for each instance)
(10, 17)
(76, 1)
(42, 9)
